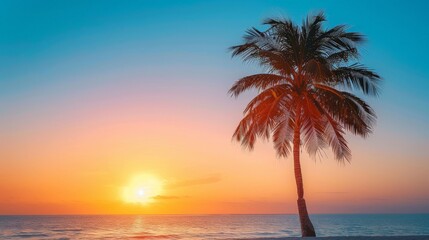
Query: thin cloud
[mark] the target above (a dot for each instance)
(374, 199)
(164, 197)
(194, 182)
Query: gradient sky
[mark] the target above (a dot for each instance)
(93, 93)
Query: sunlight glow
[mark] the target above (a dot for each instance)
(142, 188)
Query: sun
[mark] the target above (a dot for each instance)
(140, 192)
(142, 188)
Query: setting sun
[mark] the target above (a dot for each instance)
(142, 188)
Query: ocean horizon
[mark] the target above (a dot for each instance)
(207, 226)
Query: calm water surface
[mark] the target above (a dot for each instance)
(206, 226)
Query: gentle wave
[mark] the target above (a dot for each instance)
(167, 236)
(66, 230)
(30, 235)
(159, 227)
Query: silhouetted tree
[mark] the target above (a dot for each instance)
(304, 97)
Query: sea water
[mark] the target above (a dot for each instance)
(207, 226)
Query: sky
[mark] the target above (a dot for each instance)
(99, 98)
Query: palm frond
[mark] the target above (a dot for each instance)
(338, 39)
(257, 81)
(261, 116)
(352, 112)
(281, 90)
(264, 49)
(312, 128)
(356, 76)
(283, 135)
(343, 56)
(334, 134)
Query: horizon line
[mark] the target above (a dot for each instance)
(205, 214)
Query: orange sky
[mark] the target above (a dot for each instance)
(91, 98)
(79, 163)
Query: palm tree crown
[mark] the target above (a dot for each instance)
(310, 73)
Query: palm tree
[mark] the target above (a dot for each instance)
(304, 95)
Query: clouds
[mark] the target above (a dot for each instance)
(164, 197)
(211, 179)
(195, 182)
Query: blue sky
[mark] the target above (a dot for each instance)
(46, 43)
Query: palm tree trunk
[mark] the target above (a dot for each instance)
(307, 229)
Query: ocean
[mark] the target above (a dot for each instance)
(207, 226)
